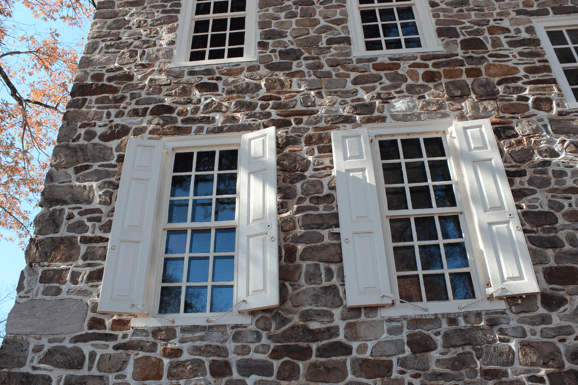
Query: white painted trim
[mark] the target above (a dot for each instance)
(543, 24)
(199, 319)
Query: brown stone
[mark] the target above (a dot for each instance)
(420, 342)
(494, 70)
(171, 352)
(112, 362)
(247, 367)
(324, 296)
(561, 275)
(333, 349)
(371, 368)
(52, 249)
(540, 354)
(303, 333)
(457, 88)
(514, 108)
(180, 370)
(63, 357)
(220, 368)
(364, 330)
(13, 353)
(297, 352)
(326, 371)
(288, 371)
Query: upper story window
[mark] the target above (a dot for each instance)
(391, 26)
(216, 31)
(559, 38)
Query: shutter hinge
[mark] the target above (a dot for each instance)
(452, 134)
(370, 139)
(335, 230)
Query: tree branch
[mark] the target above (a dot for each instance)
(16, 219)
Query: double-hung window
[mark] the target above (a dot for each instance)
(559, 38)
(194, 235)
(216, 31)
(391, 26)
(428, 222)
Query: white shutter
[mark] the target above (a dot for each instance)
(497, 224)
(362, 243)
(129, 248)
(258, 263)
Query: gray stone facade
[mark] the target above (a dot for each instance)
(306, 83)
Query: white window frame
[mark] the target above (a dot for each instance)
(556, 23)
(185, 34)
(428, 36)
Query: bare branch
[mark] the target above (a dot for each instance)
(17, 220)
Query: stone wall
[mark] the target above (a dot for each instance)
(306, 83)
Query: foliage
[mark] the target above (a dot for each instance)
(36, 68)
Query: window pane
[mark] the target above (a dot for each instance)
(390, 30)
(221, 7)
(173, 270)
(373, 45)
(215, 54)
(196, 299)
(226, 184)
(224, 240)
(405, 13)
(225, 209)
(411, 148)
(392, 173)
(201, 210)
(415, 172)
(425, 228)
(218, 40)
(456, 255)
(371, 31)
(228, 160)
(200, 241)
(224, 269)
(237, 23)
(238, 5)
(420, 197)
(565, 55)
(180, 186)
(198, 270)
(178, 211)
(366, 1)
(434, 147)
(462, 286)
(450, 227)
(201, 26)
(396, 199)
(409, 289)
(176, 242)
(387, 14)
(203, 185)
(221, 298)
(235, 52)
(183, 162)
(400, 230)
(412, 42)
(431, 257)
(439, 170)
(444, 195)
(197, 55)
(388, 149)
(404, 258)
(573, 34)
(203, 8)
(170, 300)
(435, 287)
(236, 38)
(557, 38)
(368, 16)
(199, 41)
(205, 161)
(219, 25)
(409, 29)
(572, 76)
(393, 44)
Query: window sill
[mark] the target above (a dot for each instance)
(436, 308)
(397, 51)
(211, 62)
(235, 319)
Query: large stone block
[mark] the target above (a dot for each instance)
(326, 371)
(70, 155)
(18, 378)
(39, 316)
(63, 357)
(540, 354)
(13, 353)
(53, 249)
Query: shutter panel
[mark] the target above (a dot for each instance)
(362, 243)
(497, 224)
(258, 263)
(129, 248)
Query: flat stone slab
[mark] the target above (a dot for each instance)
(39, 316)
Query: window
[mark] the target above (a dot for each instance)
(447, 234)
(559, 38)
(186, 217)
(217, 31)
(391, 26)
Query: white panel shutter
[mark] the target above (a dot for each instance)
(497, 224)
(258, 263)
(129, 248)
(362, 243)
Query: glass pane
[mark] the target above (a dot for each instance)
(170, 300)
(450, 227)
(393, 44)
(225, 209)
(215, 54)
(205, 161)
(178, 211)
(173, 270)
(392, 173)
(237, 24)
(434, 147)
(425, 228)
(201, 210)
(385, 1)
(409, 29)
(227, 184)
(176, 242)
(396, 199)
(200, 41)
(203, 185)
(236, 38)
(371, 31)
(390, 30)
(228, 160)
(200, 241)
(183, 162)
(404, 258)
(366, 1)
(445, 196)
(373, 45)
(235, 52)
(435, 287)
(368, 16)
(456, 255)
(431, 257)
(387, 14)
(409, 290)
(411, 148)
(565, 55)
(198, 269)
(218, 40)
(224, 269)
(221, 7)
(221, 298)
(180, 186)
(412, 42)
(219, 25)
(415, 172)
(439, 171)
(575, 92)
(238, 5)
(203, 9)
(196, 299)
(462, 286)
(388, 149)
(420, 197)
(573, 34)
(400, 230)
(557, 38)
(224, 240)
(572, 76)
(197, 55)
(201, 26)
(405, 13)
